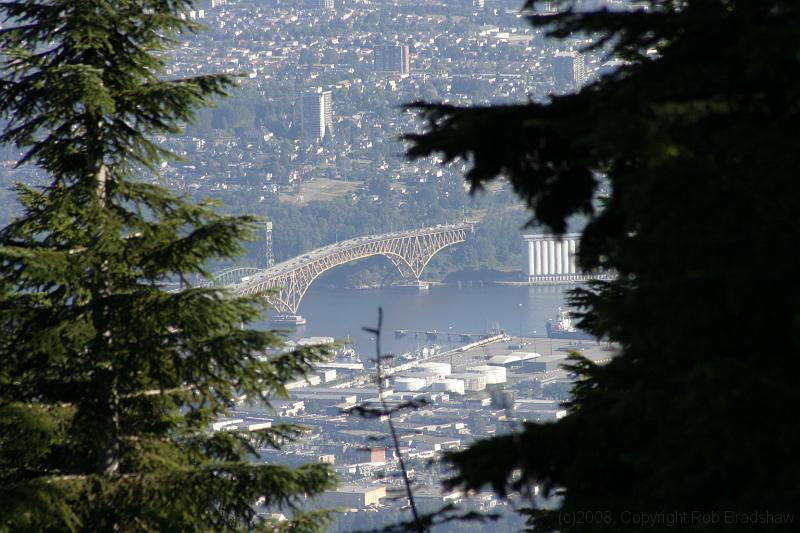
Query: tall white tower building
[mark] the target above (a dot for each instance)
(316, 114)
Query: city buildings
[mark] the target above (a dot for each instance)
(516, 383)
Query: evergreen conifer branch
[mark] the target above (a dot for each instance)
(109, 383)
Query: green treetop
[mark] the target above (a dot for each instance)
(696, 137)
(108, 383)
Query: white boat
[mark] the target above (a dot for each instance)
(563, 328)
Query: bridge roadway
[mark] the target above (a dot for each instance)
(285, 284)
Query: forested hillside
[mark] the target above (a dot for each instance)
(494, 246)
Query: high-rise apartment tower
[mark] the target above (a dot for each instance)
(392, 58)
(270, 258)
(316, 114)
(569, 69)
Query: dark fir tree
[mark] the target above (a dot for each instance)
(696, 138)
(108, 383)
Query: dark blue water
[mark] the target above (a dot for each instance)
(341, 313)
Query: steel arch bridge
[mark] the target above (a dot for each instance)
(285, 284)
(229, 276)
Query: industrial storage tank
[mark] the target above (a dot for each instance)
(548, 259)
(409, 384)
(493, 374)
(443, 369)
(472, 381)
(423, 373)
(448, 385)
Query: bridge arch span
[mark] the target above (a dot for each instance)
(285, 284)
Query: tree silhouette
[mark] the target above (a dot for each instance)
(695, 137)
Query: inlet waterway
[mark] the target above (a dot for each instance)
(451, 308)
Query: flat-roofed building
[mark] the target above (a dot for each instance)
(545, 363)
(352, 496)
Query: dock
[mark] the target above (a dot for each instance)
(448, 335)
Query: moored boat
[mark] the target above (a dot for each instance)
(562, 328)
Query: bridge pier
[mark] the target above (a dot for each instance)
(417, 284)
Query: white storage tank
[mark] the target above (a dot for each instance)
(472, 381)
(448, 385)
(428, 375)
(409, 384)
(493, 374)
(443, 369)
